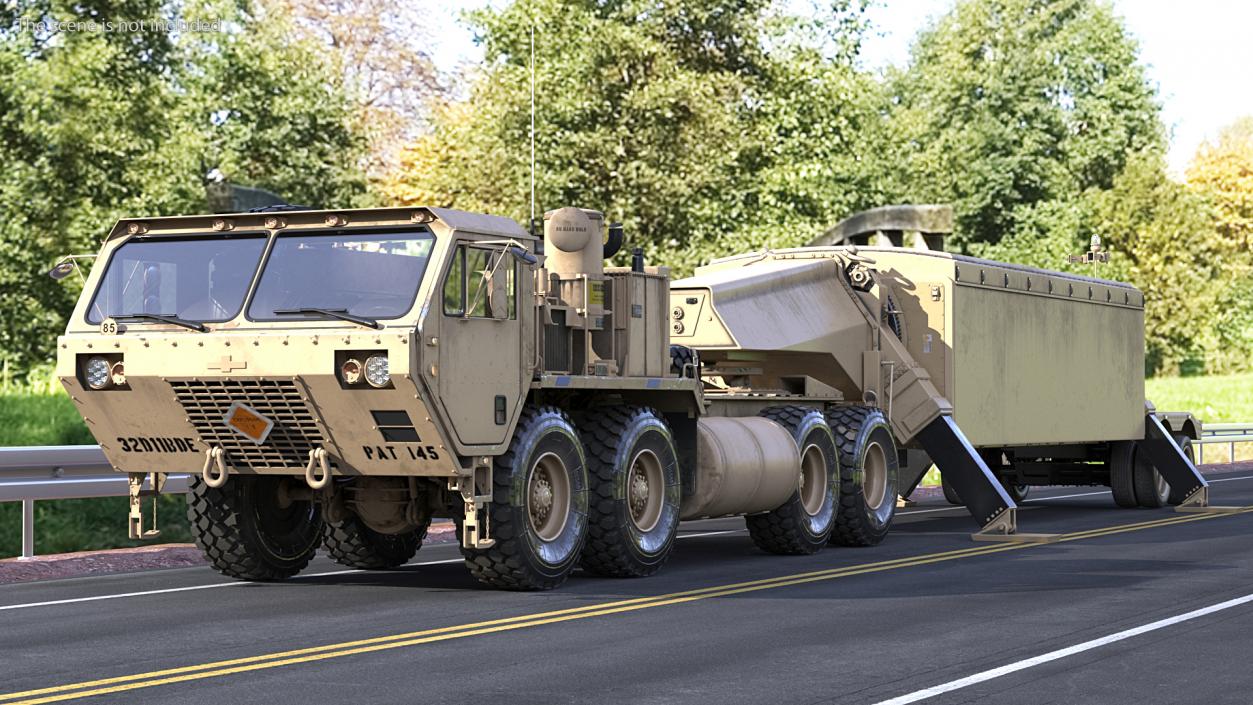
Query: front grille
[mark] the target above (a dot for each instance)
(294, 434)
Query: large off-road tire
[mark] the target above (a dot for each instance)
(351, 543)
(684, 361)
(868, 475)
(803, 524)
(634, 491)
(538, 512)
(1122, 462)
(249, 529)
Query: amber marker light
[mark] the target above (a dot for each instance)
(350, 372)
(118, 374)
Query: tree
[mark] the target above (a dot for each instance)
(1008, 105)
(1222, 174)
(102, 124)
(382, 49)
(702, 125)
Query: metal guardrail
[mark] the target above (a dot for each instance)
(1230, 433)
(31, 473)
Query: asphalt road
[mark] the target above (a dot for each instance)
(1131, 606)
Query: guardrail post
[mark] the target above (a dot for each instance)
(28, 529)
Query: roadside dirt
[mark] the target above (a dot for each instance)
(129, 560)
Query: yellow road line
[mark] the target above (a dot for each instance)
(329, 651)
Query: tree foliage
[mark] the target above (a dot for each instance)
(1012, 109)
(100, 124)
(1222, 174)
(702, 125)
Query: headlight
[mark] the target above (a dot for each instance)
(117, 373)
(98, 373)
(376, 372)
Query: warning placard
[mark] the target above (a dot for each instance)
(248, 422)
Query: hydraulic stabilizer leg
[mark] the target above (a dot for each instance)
(1175, 467)
(978, 488)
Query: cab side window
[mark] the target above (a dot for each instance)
(469, 283)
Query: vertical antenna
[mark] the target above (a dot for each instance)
(532, 121)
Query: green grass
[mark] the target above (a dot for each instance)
(41, 419)
(1215, 399)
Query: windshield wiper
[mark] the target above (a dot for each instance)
(340, 313)
(162, 318)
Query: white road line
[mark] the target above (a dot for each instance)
(190, 588)
(214, 585)
(1062, 496)
(1062, 653)
(710, 533)
(211, 586)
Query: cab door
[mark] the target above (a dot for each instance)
(481, 378)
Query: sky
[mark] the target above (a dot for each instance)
(1197, 53)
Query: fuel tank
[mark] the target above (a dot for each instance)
(744, 465)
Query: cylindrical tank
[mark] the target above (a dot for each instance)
(744, 465)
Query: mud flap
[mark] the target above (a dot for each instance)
(979, 489)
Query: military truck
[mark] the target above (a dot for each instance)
(338, 379)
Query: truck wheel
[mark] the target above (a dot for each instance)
(804, 523)
(351, 543)
(1122, 462)
(868, 469)
(249, 529)
(538, 513)
(633, 502)
(681, 357)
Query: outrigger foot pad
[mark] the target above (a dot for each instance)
(1004, 529)
(1198, 503)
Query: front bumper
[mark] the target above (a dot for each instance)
(180, 387)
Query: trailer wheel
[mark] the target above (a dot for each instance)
(868, 470)
(1152, 490)
(1122, 462)
(351, 543)
(635, 491)
(249, 529)
(684, 361)
(538, 512)
(1185, 442)
(1016, 492)
(803, 524)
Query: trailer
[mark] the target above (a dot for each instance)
(337, 379)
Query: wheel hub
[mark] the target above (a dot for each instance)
(645, 490)
(541, 498)
(639, 493)
(548, 497)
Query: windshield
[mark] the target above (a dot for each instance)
(195, 279)
(373, 275)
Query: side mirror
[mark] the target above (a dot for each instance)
(67, 265)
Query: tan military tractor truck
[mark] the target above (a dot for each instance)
(337, 379)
